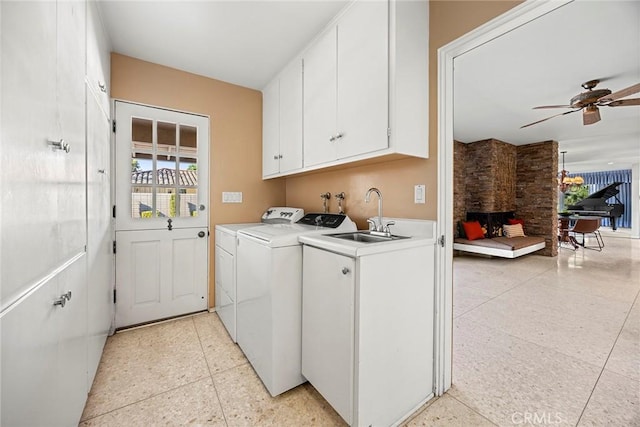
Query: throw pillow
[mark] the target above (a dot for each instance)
(473, 230)
(513, 221)
(461, 233)
(514, 230)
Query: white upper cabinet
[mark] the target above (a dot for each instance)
(365, 89)
(282, 122)
(320, 97)
(348, 70)
(98, 61)
(271, 128)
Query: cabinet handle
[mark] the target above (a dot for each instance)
(61, 145)
(332, 138)
(340, 135)
(279, 156)
(345, 270)
(275, 157)
(62, 300)
(103, 87)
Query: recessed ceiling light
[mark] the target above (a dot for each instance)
(610, 163)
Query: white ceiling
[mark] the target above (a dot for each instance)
(544, 63)
(246, 42)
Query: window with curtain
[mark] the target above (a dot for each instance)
(595, 181)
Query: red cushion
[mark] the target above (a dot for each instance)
(473, 230)
(514, 221)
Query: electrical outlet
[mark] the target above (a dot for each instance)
(231, 197)
(419, 193)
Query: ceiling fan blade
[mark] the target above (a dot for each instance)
(552, 106)
(590, 115)
(543, 120)
(624, 102)
(621, 93)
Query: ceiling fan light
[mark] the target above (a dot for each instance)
(590, 115)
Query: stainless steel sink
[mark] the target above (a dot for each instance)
(366, 237)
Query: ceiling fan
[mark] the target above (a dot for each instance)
(589, 101)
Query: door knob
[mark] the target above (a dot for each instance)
(201, 207)
(169, 225)
(345, 270)
(201, 234)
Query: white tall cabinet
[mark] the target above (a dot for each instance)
(100, 262)
(54, 141)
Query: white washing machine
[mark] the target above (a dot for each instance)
(225, 261)
(269, 291)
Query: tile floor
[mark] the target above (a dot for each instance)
(537, 341)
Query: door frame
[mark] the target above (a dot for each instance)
(113, 186)
(503, 24)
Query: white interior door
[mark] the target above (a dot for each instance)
(161, 174)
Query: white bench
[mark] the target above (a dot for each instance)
(505, 247)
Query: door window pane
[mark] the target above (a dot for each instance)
(141, 201)
(142, 133)
(188, 186)
(188, 144)
(167, 202)
(166, 173)
(167, 146)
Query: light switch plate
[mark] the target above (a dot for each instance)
(231, 197)
(419, 193)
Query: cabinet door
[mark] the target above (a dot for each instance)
(28, 166)
(271, 128)
(98, 57)
(320, 100)
(226, 290)
(72, 385)
(29, 356)
(291, 117)
(328, 292)
(363, 79)
(99, 238)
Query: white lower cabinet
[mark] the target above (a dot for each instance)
(367, 332)
(328, 326)
(44, 353)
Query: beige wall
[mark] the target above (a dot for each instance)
(448, 20)
(235, 136)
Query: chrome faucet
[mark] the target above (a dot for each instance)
(367, 198)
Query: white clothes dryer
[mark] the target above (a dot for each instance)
(225, 261)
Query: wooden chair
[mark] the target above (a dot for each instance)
(588, 226)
